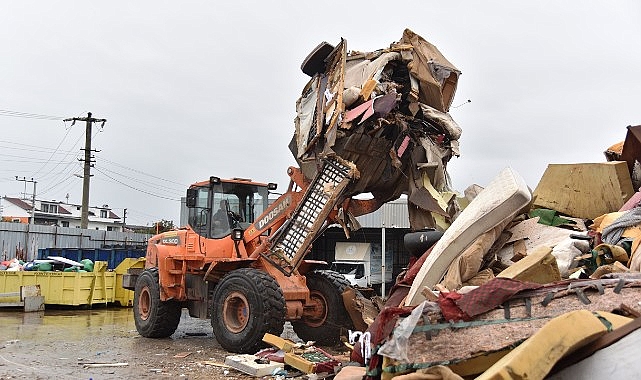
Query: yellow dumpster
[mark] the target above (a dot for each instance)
(65, 288)
(125, 297)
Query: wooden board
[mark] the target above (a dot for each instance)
(539, 266)
(584, 190)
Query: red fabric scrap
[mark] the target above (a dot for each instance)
(492, 294)
(449, 309)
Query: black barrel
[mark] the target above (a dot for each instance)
(418, 242)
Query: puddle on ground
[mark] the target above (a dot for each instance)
(75, 323)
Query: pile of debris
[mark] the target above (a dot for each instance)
(522, 285)
(518, 280)
(386, 112)
(51, 264)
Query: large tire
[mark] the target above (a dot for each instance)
(248, 303)
(328, 317)
(154, 318)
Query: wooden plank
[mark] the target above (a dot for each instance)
(367, 89)
(539, 266)
(584, 190)
(605, 358)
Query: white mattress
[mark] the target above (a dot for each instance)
(503, 198)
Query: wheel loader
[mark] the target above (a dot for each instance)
(243, 265)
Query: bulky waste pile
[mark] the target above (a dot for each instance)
(52, 264)
(521, 284)
(386, 113)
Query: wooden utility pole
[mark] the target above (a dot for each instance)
(32, 220)
(88, 163)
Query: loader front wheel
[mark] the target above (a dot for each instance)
(154, 318)
(325, 316)
(248, 303)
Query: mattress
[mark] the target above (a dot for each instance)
(503, 198)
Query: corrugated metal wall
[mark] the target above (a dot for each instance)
(392, 214)
(26, 239)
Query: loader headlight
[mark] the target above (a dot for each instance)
(236, 234)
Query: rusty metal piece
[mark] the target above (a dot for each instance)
(506, 309)
(579, 292)
(620, 285)
(528, 307)
(548, 298)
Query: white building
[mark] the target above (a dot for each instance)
(59, 213)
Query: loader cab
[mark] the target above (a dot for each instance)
(217, 206)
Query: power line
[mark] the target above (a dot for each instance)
(54, 152)
(65, 157)
(182, 185)
(65, 176)
(158, 187)
(27, 115)
(134, 188)
(11, 145)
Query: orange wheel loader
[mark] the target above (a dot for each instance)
(240, 262)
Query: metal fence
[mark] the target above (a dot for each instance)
(23, 240)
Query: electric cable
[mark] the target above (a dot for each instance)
(134, 188)
(27, 115)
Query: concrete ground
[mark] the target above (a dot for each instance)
(66, 344)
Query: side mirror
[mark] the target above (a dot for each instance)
(192, 194)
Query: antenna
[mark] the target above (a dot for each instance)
(462, 104)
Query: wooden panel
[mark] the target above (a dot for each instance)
(539, 266)
(584, 190)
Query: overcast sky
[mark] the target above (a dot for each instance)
(198, 88)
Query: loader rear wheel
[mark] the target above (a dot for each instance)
(324, 318)
(154, 318)
(248, 303)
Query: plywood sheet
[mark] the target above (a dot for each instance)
(539, 266)
(584, 190)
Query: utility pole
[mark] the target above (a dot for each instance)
(32, 220)
(124, 220)
(88, 163)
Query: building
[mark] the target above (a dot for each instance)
(59, 214)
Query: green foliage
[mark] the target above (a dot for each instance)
(162, 226)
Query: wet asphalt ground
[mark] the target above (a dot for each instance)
(74, 343)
